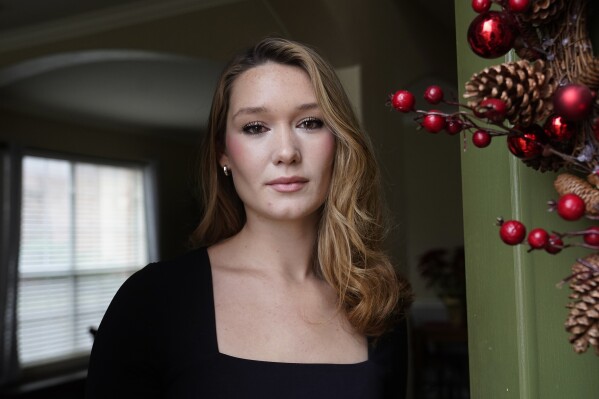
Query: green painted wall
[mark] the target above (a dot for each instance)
(517, 343)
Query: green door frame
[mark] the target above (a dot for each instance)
(518, 347)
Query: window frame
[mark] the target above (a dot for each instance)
(16, 155)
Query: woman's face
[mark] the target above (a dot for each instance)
(278, 148)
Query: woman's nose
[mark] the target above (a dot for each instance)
(287, 149)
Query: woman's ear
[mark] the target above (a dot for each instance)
(223, 160)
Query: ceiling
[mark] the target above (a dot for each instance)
(150, 89)
(112, 88)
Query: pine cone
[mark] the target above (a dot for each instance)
(551, 163)
(566, 183)
(526, 88)
(528, 44)
(542, 12)
(583, 318)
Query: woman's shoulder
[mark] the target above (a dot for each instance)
(168, 280)
(189, 265)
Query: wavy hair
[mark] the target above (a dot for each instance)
(348, 253)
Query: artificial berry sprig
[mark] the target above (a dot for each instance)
(569, 207)
(486, 120)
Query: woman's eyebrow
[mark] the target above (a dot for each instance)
(257, 110)
(307, 106)
(249, 110)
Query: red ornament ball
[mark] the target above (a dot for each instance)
(512, 232)
(433, 94)
(403, 101)
(518, 5)
(481, 5)
(491, 34)
(454, 126)
(493, 109)
(481, 139)
(558, 129)
(529, 144)
(554, 244)
(591, 236)
(538, 238)
(433, 122)
(571, 207)
(573, 101)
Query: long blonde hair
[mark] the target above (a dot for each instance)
(348, 253)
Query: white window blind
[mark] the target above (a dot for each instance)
(83, 232)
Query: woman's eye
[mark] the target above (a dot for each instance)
(254, 128)
(311, 124)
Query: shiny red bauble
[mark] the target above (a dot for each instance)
(591, 236)
(491, 34)
(527, 145)
(538, 238)
(559, 129)
(554, 244)
(433, 94)
(481, 5)
(571, 207)
(573, 101)
(493, 109)
(481, 139)
(433, 122)
(518, 5)
(403, 101)
(512, 232)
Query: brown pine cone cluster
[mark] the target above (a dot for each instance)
(526, 88)
(567, 183)
(543, 11)
(528, 44)
(583, 318)
(551, 163)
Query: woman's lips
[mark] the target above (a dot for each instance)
(288, 184)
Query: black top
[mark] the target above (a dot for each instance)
(158, 340)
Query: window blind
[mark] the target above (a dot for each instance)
(83, 232)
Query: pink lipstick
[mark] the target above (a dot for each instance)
(288, 184)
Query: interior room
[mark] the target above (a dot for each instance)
(118, 91)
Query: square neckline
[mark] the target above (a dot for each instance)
(212, 310)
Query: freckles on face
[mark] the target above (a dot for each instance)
(276, 130)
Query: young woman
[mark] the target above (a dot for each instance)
(288, 294)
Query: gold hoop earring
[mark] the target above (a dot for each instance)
(226, 170)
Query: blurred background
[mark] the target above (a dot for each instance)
(103, 105)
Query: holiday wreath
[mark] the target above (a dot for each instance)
(546, 105)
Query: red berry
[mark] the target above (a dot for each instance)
(454, 126)
(538, 238)
(433, 94)
(493, 109)
(591, 237)
(554, 244)
(481, 138)
(518, 5)
(571, 207)
(433, 122)
(481, 5)
(403, 101)
(512, 232)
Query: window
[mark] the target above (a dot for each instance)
(83, 232)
